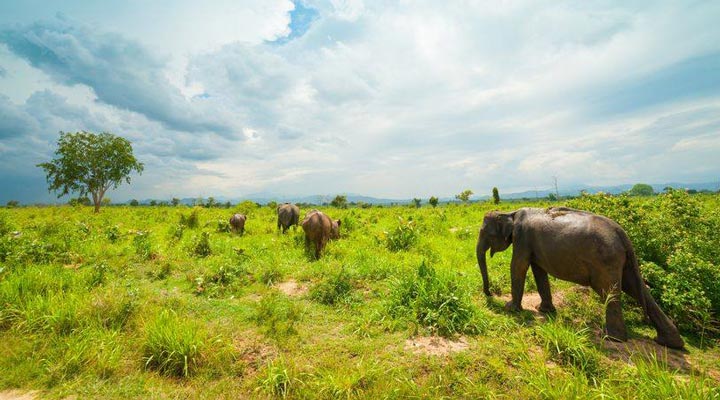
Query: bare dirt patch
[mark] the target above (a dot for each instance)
(18, 395)
(531, 301)
(435, 346)
(292, 288)
(253, 351)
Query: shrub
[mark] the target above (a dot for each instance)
(113, 233)
(192, 220)
(569, 346)
(223, 226)
(276, 316)
(435, 301)
(173, 346)
(403, 237)
(142, 244)
(333, 290)
(276, 381)
(201, 246)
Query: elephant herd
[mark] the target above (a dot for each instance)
(572, 245)
(318, 227)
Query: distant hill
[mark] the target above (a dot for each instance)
(573, 190)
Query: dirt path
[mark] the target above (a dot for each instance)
(16, 394)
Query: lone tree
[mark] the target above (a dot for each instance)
(340, 201)
(433, 201)
(89, 163)
(642, 189)
(496, 196)
(464, 196)
(417, 202)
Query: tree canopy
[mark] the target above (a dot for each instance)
(642, 189)
(89, 163)
(464, 196)
(496, 195)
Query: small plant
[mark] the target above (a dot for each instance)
(191, 220)
(277, 381)
(276, 316)
(113, 233)
(269, 274)
(173, 346)
(223, 226)
(570, 346)
(403, 237)
(98, 275)
(201, 247)
(142, 244)
(334, 290)
(177, 231)
(434, 301)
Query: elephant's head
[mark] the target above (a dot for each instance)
(335, 229)
(496, 234)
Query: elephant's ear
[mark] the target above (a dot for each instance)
(506, 223)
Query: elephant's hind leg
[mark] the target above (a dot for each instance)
(543, 286)
(667, 333)
(614, 323)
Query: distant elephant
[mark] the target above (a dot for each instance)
(237, 223)
(288, 215)
(319, 229)
(575, 246)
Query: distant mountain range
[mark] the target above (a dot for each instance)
(574, 190)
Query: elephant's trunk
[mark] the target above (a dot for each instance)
(481, 249)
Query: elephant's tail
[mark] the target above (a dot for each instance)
(633, 267)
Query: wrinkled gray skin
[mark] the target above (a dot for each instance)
(575, 246)
(237, 223)
(288, 215)
(319, 229)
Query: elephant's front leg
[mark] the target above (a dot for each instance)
(518, 271)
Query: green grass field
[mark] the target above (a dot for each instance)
(152, 302)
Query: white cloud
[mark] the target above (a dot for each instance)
(405, 99)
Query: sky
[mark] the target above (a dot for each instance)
(393, 99)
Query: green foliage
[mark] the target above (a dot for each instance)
(223, 226)
(417, 202)
(143, 245)
(173, 346)
(113, 233)
(276, 316)
(495, 195)
(276, 380)
(464, 196)
(404, 236)
(12, 204)
(340, 201)
(134, 203)
(201, 246)
(641, 189)
(433, 300)
(89, 163)
(433, 201)
(569, 346)
(335, 289)
(192, 220)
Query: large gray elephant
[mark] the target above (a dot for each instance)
(575, 246)
(288, 215)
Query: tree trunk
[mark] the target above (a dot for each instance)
(97, 197)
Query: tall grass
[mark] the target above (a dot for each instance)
(173, 345)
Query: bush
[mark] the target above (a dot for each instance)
(434, 301)
(569, 346)
(192, 220)
(276, 316)
(201, 247)
(333, 290)
(142, 244)
(223, 226)
(403, 237)
(173, 346)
